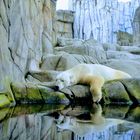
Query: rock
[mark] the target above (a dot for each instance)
(48, 33)
(123, 55)
(63, 61)
(96, 52)
(74, 42)
(32, 93)
(101, 22)
(65, 16)
(43, 76)
(124, 38)
(133, 89)
(64, 28)
(90, 42)
(25, 35)
(77, 93)
(50, 62)
(4, 101)
(25, 94)
(125, 90)
(136, 25)
(114, 92)
(64, 23)
(8, 67)
(69, 41)
(112, 47)
(130, 49)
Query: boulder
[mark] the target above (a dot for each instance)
(130, 49)
(91, 42)
(4, 101)
(132, 87)
(123, 55)
(34, 93)
(124, 38)
(97, 52)
(63, 61)
(42, 76)
(112, 47)
(63, 42)
(114, 92)
(65, 16)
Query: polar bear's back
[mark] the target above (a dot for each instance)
(100, 70)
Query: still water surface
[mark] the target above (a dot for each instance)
(59, 122)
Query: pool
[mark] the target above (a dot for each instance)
(60, 122)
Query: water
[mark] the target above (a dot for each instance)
(59, 122)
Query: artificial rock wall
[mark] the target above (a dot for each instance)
(28, 31)
(25, 32)
(136, 26)
(103, 19)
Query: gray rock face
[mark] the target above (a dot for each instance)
(124, 38)
(122, 55)
(102, 20)
(136, 26)
(26, 33)
(130, 49)
(64, 42)
(64, 23)
(64, 15)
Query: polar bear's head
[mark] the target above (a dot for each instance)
(63, 79)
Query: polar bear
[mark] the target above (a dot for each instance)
(94, 75)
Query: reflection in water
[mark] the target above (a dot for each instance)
(64, 123)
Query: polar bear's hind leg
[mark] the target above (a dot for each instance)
(96, 83)
(96, 88)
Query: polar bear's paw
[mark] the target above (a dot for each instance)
(96, 94)
(97, 98)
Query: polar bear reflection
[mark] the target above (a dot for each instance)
(95, 125)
